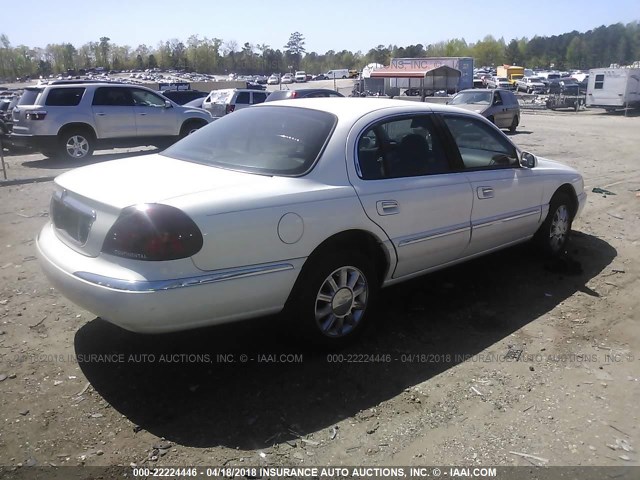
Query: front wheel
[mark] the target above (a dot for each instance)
(553, 235)
(189, 127)
(332, 297)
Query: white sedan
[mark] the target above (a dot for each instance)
(307, 206)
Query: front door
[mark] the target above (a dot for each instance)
(153, 117)
(507, 199)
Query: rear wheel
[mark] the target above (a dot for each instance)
(514, 124)
(331, 300)
(553, 235)
(76, 144)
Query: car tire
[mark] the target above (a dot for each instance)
(332, 298)
(514, 124)
(553, 235)
(189, 127)
(76, 143)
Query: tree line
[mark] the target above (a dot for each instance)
(600, 47)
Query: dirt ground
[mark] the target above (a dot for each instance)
(507, 360)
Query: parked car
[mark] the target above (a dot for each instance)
(182, 97)
(302, 93)
(273, 80)
(197, 103)
(221, 102)
(498, 82)
(7, 104)
(75, 119)
(564, 93)
(239, 219)
(500, 106)
(300, 76)
(287, 78)
(531, 85)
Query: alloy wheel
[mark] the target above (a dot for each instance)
(77, 146)
(341, 301)
(559, 228)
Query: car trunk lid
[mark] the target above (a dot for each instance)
(83, 209)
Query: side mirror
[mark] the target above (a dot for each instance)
(167, 104)
(528, 160)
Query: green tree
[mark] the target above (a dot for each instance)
(294, 49)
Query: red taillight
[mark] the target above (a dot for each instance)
(153, 232)
(36, 115)
(294, 94)
(230, 108)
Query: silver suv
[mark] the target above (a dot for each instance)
(74, 119)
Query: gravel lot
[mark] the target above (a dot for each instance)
(504, 357)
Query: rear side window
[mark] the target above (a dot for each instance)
(599, 82)
(407, 147)
(243, 98)
(29, 96)
(113, 97)
(259, 97)
(64, 97)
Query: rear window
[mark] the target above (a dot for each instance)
(29, 96)
(64, 97)
(220, 96)
(282, 141)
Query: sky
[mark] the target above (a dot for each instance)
(325, 25)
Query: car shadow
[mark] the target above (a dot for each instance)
(196, 388)
(518, 132)
(58, 163)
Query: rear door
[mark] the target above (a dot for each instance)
(242, 100)
(407, 187)
(113, 112)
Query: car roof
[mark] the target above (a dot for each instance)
(354, 108)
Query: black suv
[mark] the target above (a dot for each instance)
(183, 96)
(302, 93)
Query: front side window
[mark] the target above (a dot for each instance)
(480, 146)
(282, 141)
(142, 98)
(259, 97)
(406, 147)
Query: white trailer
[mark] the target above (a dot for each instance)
(612, 88)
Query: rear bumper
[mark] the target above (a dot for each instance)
(35, 142)
(165, 304)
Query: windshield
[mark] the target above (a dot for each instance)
(480, 98)
(284, 141)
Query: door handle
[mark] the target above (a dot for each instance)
(387, 207)
(485, 192)
(101, 114)
(142, 113)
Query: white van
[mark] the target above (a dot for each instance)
(339, 73)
